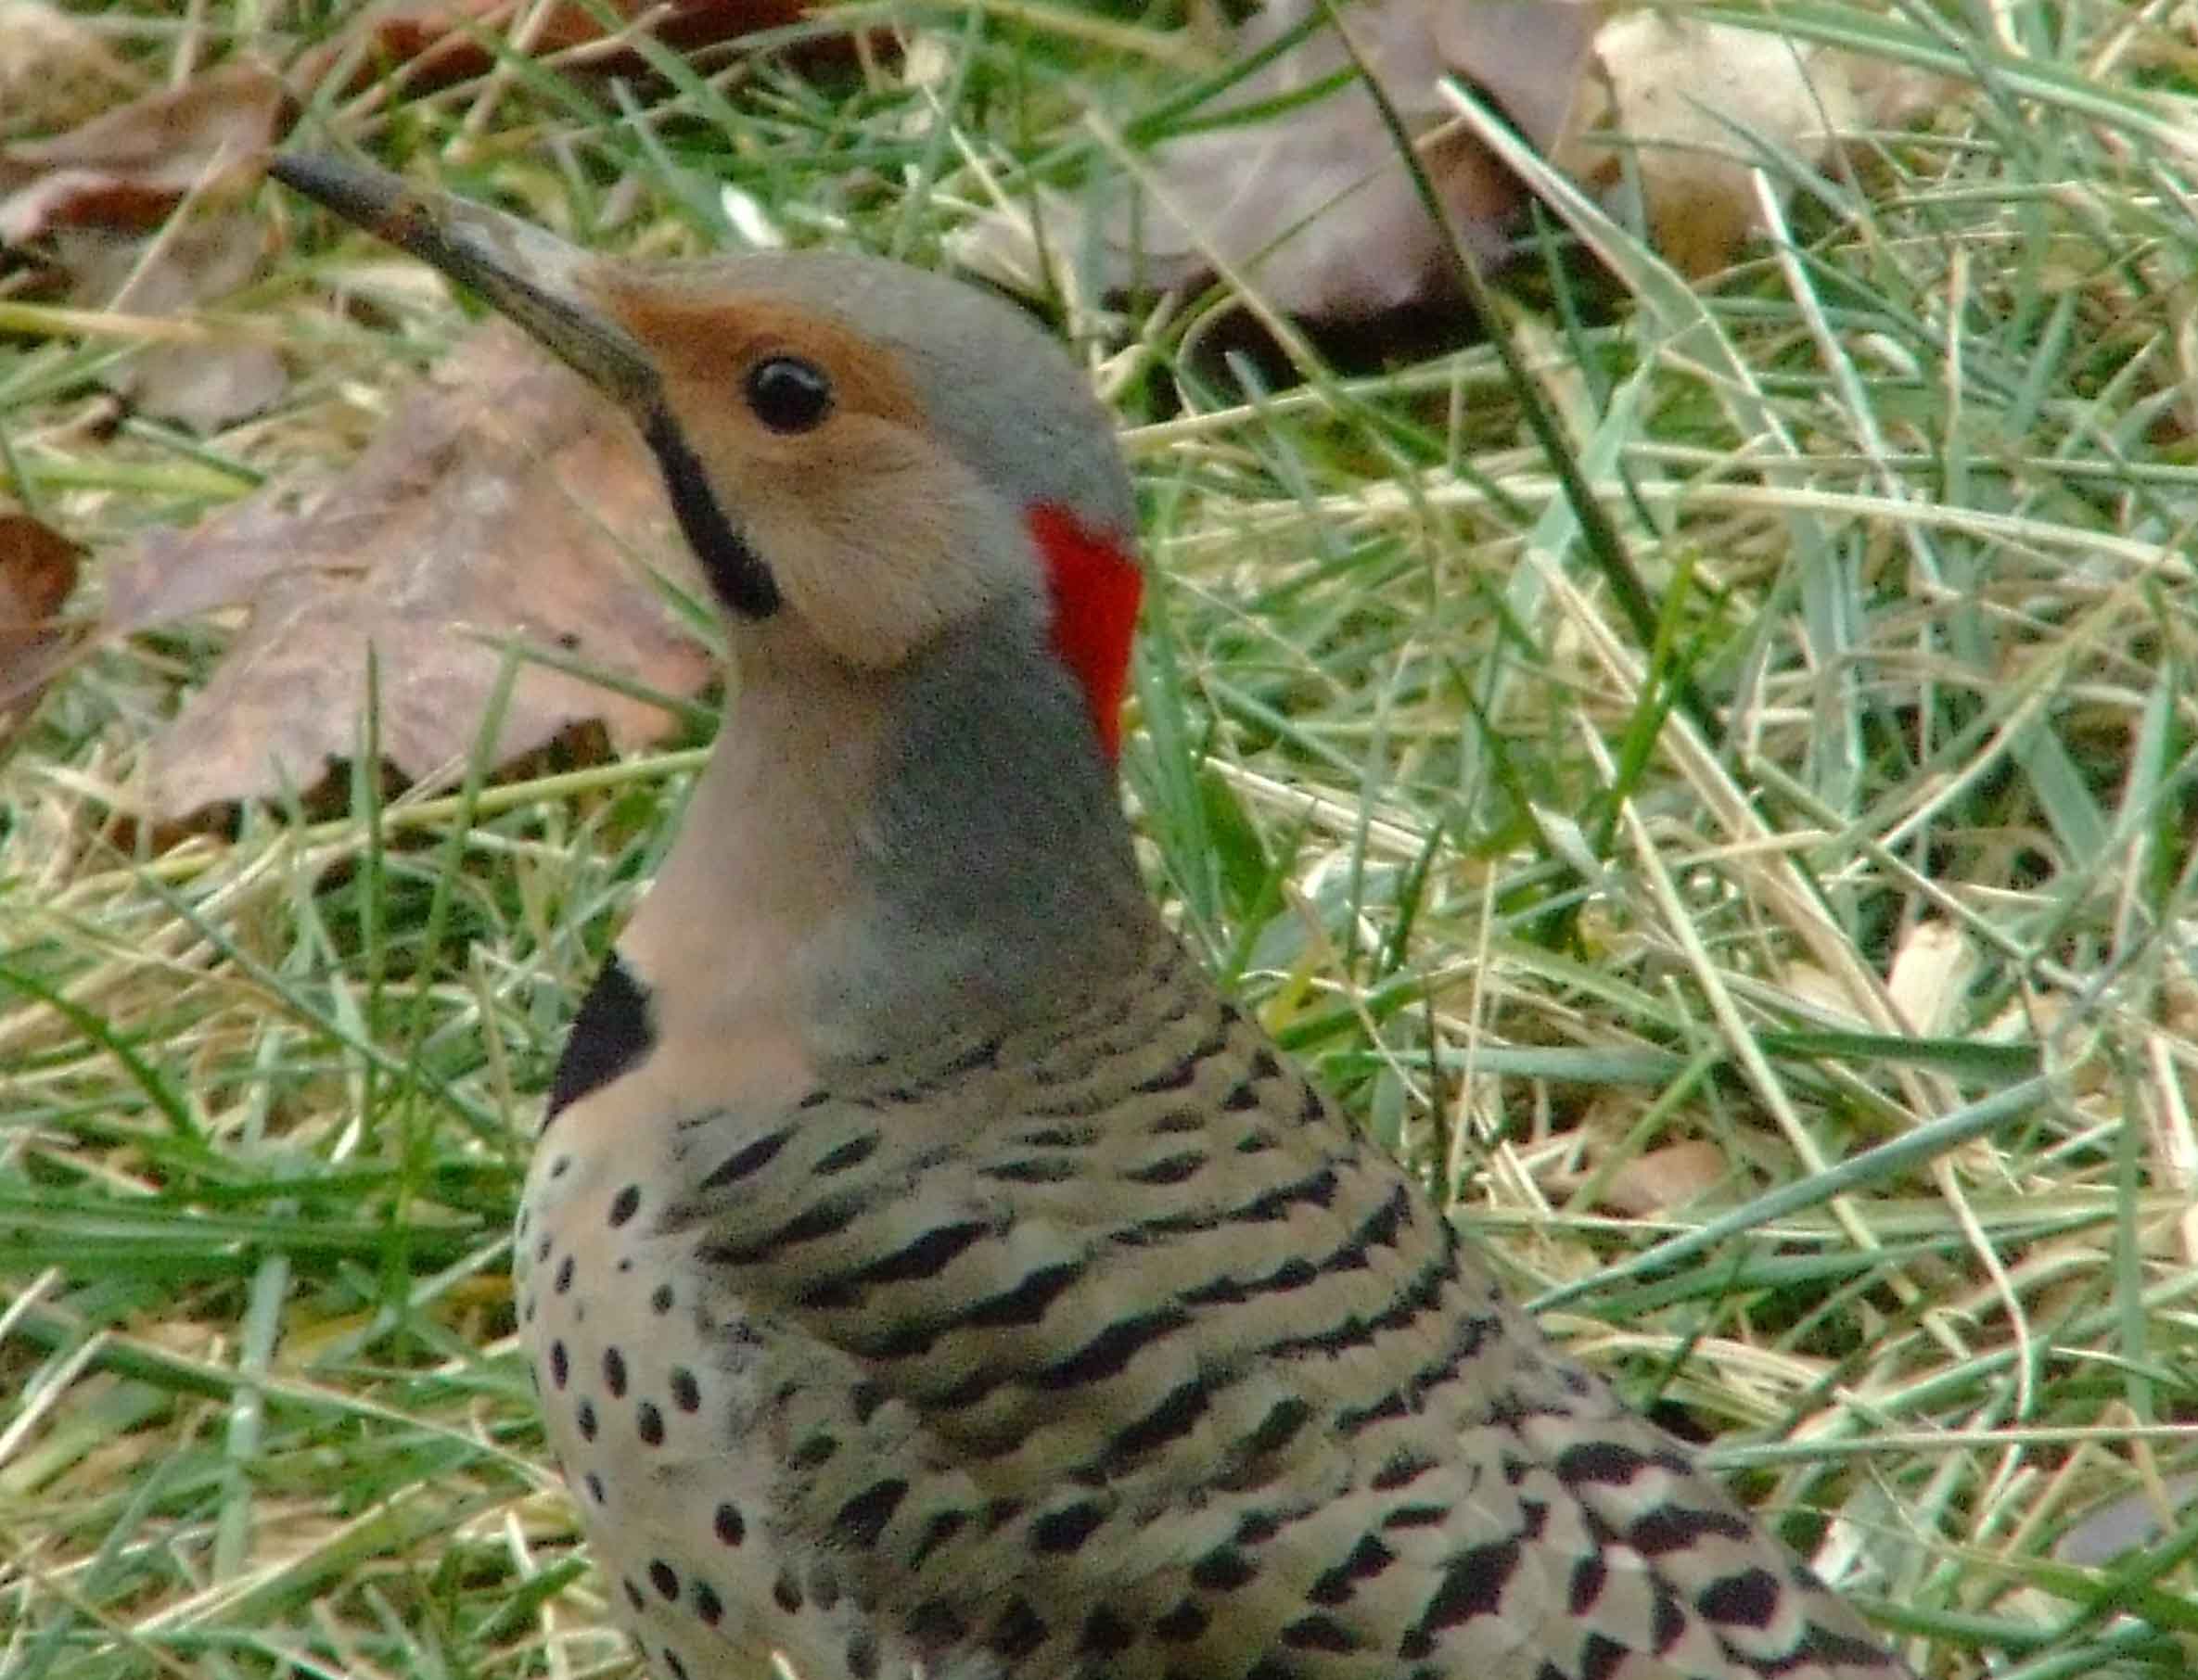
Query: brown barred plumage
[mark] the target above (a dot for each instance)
(1104, 1347)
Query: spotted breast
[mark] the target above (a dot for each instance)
(1106, 1348)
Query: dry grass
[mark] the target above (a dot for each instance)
(1830, 1080)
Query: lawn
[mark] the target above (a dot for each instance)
(1764, 913)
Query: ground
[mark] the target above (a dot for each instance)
(1765, 916)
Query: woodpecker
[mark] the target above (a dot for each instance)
(927, 1270)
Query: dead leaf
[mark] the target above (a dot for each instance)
(1814, 988)
(1664, 1180)
(1313, 206)
(503, 500)
(54, 70)
(91, 194)
(440, 42)
(2138, 1518)
(129, 167)
(1695, 103)
(38, 567)
(1315, 209)
(204, 387)
(1929, 982)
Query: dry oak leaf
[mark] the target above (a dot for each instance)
(204, 385)
(1314, 207)
(2142, 1517)
(54, 69)
(1665, 1179)
(504, 500)
(91, 194)
(440, 42)
(1697, 102)
(128, 167)
(38, 568)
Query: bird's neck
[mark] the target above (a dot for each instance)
(871, 860)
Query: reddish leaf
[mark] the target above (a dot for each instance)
(439, 41)
(1313, 206)
(203, 386)
(128, 167)
(1666, 1179)
(1693, 103)
(503, 500)
(55, 70)
(38, 570)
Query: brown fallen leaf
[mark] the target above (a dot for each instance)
(204, 387)
(38, 567)
(1684, 96)
(1313, 206)
(1664, 1180)
(127, 168)
(2140, 1518)
(502, 500)
(440, 42)
(54, 69)
(1928, 984)
(91, 194)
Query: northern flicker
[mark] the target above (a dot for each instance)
(927, 1270)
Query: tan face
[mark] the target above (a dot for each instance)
(818, 448)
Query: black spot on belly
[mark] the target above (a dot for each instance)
(861, 1657)
(935, 1623)
(1223, 1570)
(1746, 1599)
(1185, 1623)
(1104, 1634)
(1018, 1632)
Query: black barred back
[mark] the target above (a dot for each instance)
(1109, 1350)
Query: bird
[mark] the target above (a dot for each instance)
(927, 1269)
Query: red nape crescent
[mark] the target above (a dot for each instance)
(1095, 589)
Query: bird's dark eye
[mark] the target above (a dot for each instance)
(788, 394)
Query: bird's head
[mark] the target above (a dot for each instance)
(915, 520)
(865, 457)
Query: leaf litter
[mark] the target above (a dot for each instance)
(455, 532)
(38, 572)
(503, 502)
(1290, 183)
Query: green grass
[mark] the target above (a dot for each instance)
(1912, 497)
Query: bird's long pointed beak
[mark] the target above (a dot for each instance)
(535, 279)
(530, 276)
